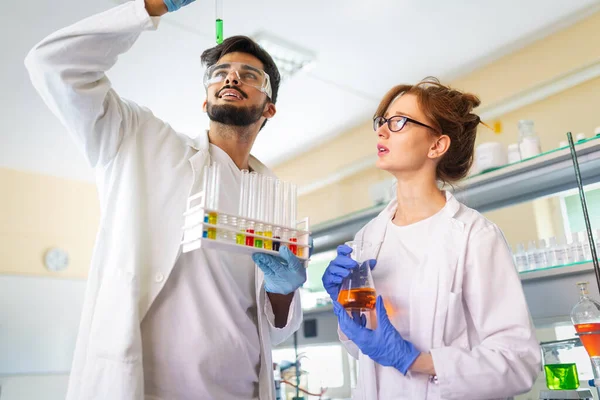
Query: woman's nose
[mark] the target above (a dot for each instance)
(382, 132)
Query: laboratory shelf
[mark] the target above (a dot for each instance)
(539, 176)
(552, 292)
(530, 179)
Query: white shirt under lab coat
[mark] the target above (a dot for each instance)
(145, 171)
(466, 308)
(208, 303)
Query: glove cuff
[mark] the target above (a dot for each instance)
(405, 363)
(171, 6)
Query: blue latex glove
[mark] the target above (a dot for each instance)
(384, 345)
(174, 5)
(283, 274)
(338, 269)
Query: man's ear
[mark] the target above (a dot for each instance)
(270, 110)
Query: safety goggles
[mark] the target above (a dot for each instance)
(396, 123)
(243, 73)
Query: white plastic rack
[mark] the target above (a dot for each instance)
(196, 225)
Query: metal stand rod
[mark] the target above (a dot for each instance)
(586, 216)
(297, 365)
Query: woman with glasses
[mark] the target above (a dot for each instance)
(450, 319)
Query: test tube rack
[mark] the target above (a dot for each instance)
(195, 225)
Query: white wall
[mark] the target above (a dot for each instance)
(39, 318)
(34, 387)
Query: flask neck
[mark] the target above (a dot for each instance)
(583, 291)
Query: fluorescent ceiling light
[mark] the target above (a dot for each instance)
(290, 58)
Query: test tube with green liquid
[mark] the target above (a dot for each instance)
(219, 20)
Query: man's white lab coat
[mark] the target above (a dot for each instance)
(145, 172)
(467, 308)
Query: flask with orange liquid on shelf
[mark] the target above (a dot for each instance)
(586, 319)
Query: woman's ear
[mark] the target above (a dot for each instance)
(439, 147)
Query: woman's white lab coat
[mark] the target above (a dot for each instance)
(145, 172)
(467, 308)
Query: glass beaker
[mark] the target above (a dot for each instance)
(357, 292)
(560, 368)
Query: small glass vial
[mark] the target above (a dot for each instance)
(521, 258)
(529, 142)
(585, 243)
(576, 248)
(559, 251)
(540, 255)
(531, 252)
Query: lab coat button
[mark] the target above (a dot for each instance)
(159, 277)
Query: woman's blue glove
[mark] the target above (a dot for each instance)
(174, 5)
(384, 345)
(283, 274)
(338, 269)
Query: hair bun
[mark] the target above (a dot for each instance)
(471, 100)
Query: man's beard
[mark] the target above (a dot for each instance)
(228, 114)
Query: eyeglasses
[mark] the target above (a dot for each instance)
(396, 123)
(244, 73)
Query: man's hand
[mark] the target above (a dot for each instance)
(156, 8)
(283, 274)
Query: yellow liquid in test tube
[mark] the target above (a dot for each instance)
(240, 239)
(212, 219)
(268, 243)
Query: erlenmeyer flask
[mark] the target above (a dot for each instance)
(357, 292)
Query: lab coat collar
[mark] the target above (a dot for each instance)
(201, 144)
(377, 228)
(450, 209)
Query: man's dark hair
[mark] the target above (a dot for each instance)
(244, 44)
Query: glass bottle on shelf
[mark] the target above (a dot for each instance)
(529, 142)
(576, 249)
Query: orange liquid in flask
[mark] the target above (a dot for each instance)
(358, 299)
(591, 342)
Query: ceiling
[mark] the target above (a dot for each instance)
(362, 49)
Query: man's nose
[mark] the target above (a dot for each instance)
(232, 78)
